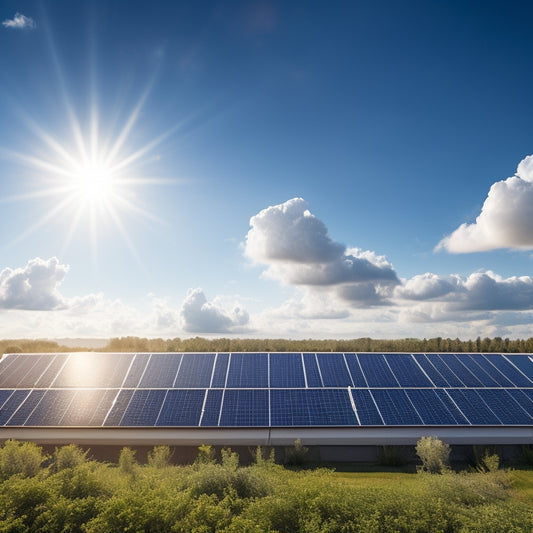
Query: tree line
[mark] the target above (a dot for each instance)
(224, 344)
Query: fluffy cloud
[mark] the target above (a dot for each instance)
(19, 22)
(449, 297)
(297, 249)
(33, 287)
(506, 218)
(200, 316)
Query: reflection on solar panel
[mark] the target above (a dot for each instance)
(265, 390)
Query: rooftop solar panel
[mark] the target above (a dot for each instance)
(265, 390)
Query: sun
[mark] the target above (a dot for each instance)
(93, 183)
(91, 179)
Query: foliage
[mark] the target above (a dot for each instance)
(224, 497)
(434, 454)
(69, 456)
(159, 457)
(389, 456)
(489, 462)
(127, 462)
(296, 455)
(206, 455)
(24, 458)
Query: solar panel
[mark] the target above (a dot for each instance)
(376, 370)
(181, 408)
(265, 390)
(286, 370)
(248, 370)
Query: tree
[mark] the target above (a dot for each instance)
(434, 454)
(23, 458)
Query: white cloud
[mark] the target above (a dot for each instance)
(200, 316)
(33, 287)
(506, 218)
(297, 249)
(19, 22)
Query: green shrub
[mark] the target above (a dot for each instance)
(206, 455)
(296, 455)
(159, 457)
(23, 458)
(434, 454)
(127, 462)
(69, 456)
(390, 456)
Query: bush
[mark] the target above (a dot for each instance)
(206, 455)
(296, 455)
(434, 454)
(23, 458)
(69, 456)
(390, 456)
(127, 462)
(159, 457)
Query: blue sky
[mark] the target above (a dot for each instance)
(267, 169)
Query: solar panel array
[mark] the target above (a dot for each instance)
(265, 390)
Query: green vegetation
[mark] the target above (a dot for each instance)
(199, 344)
(68, 492)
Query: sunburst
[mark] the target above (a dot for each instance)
(90, 181)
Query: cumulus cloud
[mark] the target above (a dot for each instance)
(297, 249)
(506, 218)
(34, 286)
(19, 22)
(200, 316)
(449, 297)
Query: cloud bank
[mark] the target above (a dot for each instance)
(506, 218)
(19, 22)
(297, 250)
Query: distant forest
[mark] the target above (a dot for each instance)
(199, 344)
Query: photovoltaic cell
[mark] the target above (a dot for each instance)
(221, 370)
(161, 371)
(48, 376)
(395, 407)
(311, 407)
(118, 408)
(509, 411)
(355, 370)
(212, 405)
(509, 369)
(50, 410)
(248, 370)
(14, 366)
(473, 407)
(39, 363)
(444, 370)
(452, 407)
(311, 370)
(136, 370)
(286, 370)
(195, 371)
(485, 371)
(376, 370)
(522, 399)
(89, 407)
(433, 374)
(524, 364)
(4, 395)
(334, 370)
(12, 404)
(406, 371)
(430, 408)
(24, 411)
(461, 371)
(366, 408)
(245, 407)
(143, 408)
(182, 408)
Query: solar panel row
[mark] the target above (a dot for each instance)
(265, 407)
(262, 370)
